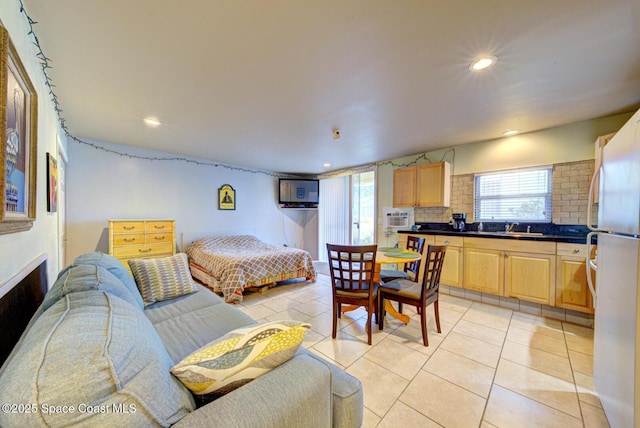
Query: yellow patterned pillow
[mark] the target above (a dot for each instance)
(162, 278)
(240, 356)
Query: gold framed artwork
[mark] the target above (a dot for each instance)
(52, 183)
(18, 123)
(226, 198)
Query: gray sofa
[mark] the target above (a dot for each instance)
(93, 355)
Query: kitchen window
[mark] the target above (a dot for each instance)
(514, 195)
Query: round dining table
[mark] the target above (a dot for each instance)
(393, 256)
(390, 256)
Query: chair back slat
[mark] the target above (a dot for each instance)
(352, 266)
(416, 244)
(433, 268)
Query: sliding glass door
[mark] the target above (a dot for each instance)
(363, 208)
(346, 212)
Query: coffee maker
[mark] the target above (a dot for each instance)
(459, 220)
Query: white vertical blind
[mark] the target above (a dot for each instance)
(334, 214)
(514, 195)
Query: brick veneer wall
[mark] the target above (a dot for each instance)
(571, 182)
(570, 196)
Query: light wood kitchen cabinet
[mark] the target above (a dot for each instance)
(402, 243)
(543, 272)
(511, 268)
(130, 239)
(572, 290)
(426, 185)
(530, 276)
(484, 265)
(452, 268)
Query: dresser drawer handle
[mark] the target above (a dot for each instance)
(129, 239)
(148, 250)
(576, 250)
(159, 227)
(128, 227)
(159, 238)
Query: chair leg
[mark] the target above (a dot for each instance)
(399, 307)
(423, 322)
(339, 310)
(369, 325)
(374, 309)
(381, 313)
(437, 313)
(336, 312)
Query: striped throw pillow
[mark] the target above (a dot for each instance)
(239, 356)
(162, 278)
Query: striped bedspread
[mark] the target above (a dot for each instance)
(229, 264)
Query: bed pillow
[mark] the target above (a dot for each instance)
(239, 356)
(162, 278)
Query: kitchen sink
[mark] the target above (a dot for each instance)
(514, 233)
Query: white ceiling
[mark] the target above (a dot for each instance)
(262, 83)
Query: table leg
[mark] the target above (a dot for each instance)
(397, 315)
(387, 304)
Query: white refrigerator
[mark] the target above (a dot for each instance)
(616, 360)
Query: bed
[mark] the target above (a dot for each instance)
(230, 264)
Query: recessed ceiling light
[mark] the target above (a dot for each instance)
(151, 121)
(483, 63)
(511, 132)
(326, 164)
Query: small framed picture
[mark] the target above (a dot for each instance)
(226, 198)
(52, 183)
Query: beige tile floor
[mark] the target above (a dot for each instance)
(490, 367)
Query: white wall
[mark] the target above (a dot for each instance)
(17, 250)
(567, 143)
(102, 185)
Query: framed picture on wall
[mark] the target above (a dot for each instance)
(226, 198)
(52, 183)
(18, 153)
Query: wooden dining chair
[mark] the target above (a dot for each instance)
(415, 294)
(352, 269)
(411, 270)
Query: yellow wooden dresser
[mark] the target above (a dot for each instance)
(131, 239)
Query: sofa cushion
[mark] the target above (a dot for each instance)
(99, 356)
(113, 265)
(84, 277)
(162, 278)
(189, 322)
(240, 356)
(296, 394)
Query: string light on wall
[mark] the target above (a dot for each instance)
(422, 156)
(45, 64)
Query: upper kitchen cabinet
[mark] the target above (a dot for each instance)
(427, 185)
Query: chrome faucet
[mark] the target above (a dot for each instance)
(509, 227)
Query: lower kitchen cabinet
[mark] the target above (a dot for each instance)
(519, 269)
(572, 290)
(543, 272)
(483, 265)
(530, 276)
(452, 268)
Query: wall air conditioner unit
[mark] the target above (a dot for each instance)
(397, 218)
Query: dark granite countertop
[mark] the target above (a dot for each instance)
(540, 232)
